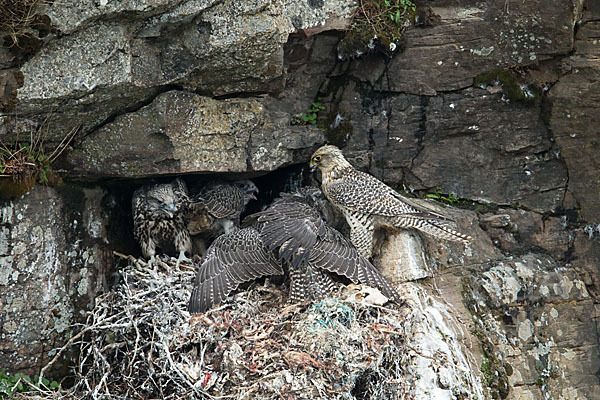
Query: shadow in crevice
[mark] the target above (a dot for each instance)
(117, 202)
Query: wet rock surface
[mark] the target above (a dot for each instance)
(495, 104)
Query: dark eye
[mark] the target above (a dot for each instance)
(317, 158)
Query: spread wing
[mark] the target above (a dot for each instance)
(292, 228)
(334, 253)
(231, 259)
(140, 219)
(300, 236)
(358, 191)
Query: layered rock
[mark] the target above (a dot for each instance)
(184, 132)
(495, 103)
(106, 58)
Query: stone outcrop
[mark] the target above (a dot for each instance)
(184, 132)
(54, 259)
(572, 103)
(106, 58)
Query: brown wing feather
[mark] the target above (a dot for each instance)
(334, 253)
(223, 200)
(232, 259)
(296, 230)
(292, 228)
(359, 191)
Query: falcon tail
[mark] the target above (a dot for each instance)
(309, 284)
(441, 231)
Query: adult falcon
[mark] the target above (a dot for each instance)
(368, 203)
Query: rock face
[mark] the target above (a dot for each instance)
(495, 104)
(53, 261)
(184, 132)
(105, 59)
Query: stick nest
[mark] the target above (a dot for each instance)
(140, 342)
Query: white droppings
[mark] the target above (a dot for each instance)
(592, 230)
(336, 121)
(443, 368)
(483, 52)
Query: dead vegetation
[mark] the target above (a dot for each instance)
(19, 17)
(377, 26)
(140, 342)
(30, 160)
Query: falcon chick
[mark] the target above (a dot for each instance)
(368, 203)
(233, 258)
(293, 227)
(291, 232)
(217, 207)
(158, 219)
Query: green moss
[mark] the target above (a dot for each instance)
(355, 41)
(488, 373)
(511, 88)
(21, 383)
(378, 25)
(482, 208)
(440, 196)
(309, 117)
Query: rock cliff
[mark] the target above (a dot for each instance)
(489, 107)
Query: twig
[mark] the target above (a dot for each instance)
(67, 345)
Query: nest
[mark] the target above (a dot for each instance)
(140, 342)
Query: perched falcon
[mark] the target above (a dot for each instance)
(290, 232)
(368, 203)
(158, 219)
(217, 207)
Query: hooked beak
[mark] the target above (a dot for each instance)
(170, 209)
(251, 192)
(312, 166)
